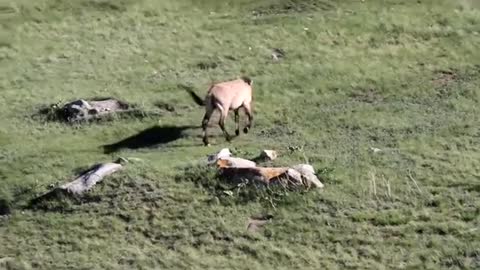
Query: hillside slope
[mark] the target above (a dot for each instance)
(355, 75)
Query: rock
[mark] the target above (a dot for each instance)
(76, 109)
(81, 109)
(83, 183)
(308, 175)
(277, 54)
(228, 192)
(268, 154)
(225, 152)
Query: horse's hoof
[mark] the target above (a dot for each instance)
(237, 132)
(245, 130)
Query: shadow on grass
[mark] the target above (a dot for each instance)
(58, 200)
(150, 137)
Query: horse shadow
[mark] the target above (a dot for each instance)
(150, 137)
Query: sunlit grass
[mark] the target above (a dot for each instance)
(356, 75)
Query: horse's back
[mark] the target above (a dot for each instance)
(232, 93)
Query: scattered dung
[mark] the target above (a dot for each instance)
(207, 65)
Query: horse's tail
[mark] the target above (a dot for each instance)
(195, 97)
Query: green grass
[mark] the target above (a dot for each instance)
(401, 76)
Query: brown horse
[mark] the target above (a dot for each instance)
(226, 96)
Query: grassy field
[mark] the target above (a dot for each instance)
(400, 76)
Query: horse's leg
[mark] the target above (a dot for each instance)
(206, 118)
(237, 122)
(248, 112)
(221, 122)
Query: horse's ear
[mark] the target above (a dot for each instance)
(247, 80)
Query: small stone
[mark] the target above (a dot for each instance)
(269, 154)
(277, 54)
(225, 152)
(228, 192)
